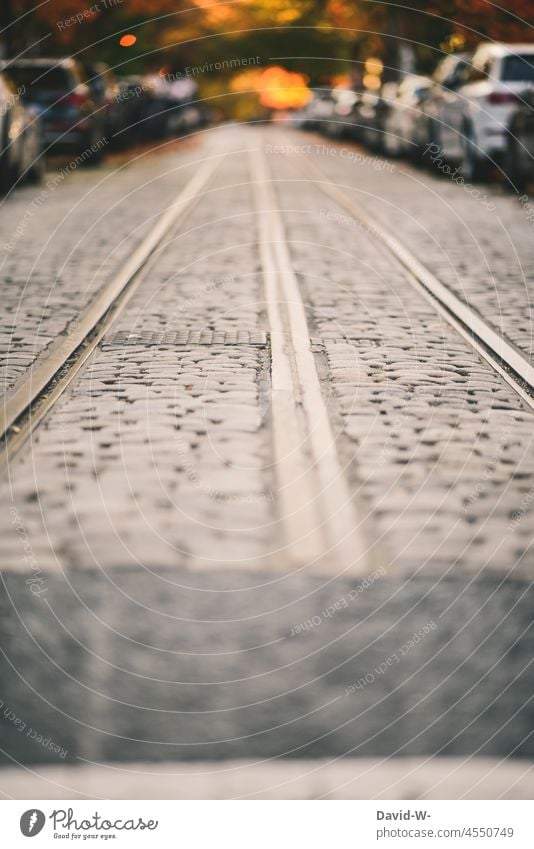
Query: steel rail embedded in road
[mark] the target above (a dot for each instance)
(39, 388)
(315, 506)
(503, 357)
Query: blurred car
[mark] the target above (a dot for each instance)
(372, 110)
(351, 121)
(136, 97)
(124, 128)
(21, 142)
(319, 109)
(325, 112)
(519, 157)
(183, 114)
(435, 102)
(58, 90)
(169, 107)
(342, 101)
(296, 118)
(474, 129)
(400, 119)
(116, 110)
(299, 119)
(152, 122)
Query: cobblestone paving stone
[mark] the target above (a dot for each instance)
(61, 241)
(441, 446)
(160, 451)
(480, 245)
(128, 653)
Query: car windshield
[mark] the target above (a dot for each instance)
(518, 69)
(39, 78)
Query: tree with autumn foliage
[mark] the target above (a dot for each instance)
(428, 29)
(296, 27)
(321, 39)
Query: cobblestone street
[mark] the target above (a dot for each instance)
(283, 509)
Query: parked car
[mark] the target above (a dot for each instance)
(21, 143)
(168, 106)
(436, 100)
(519, 157)
(371, 114)
(296, 118)
(58, 89)
(474, 128)
(351, 122)
(400, 119)
(342, 102)
(136, 97)
(319, 109)
(182, 112)
(105, 91)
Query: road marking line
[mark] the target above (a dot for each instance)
(315, 504)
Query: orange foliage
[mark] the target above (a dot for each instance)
(276, 87)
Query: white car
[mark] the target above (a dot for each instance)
(472, 123)
(404, 106)
(319, 109)
(343, 100)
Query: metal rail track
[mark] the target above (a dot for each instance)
(45, 381)
(511, 364)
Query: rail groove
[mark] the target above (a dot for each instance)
(39, 389)
(511, 364)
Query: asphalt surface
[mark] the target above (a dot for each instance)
(132, 666)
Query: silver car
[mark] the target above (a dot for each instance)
(21, 145)
(401, 118)
(436, 102)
